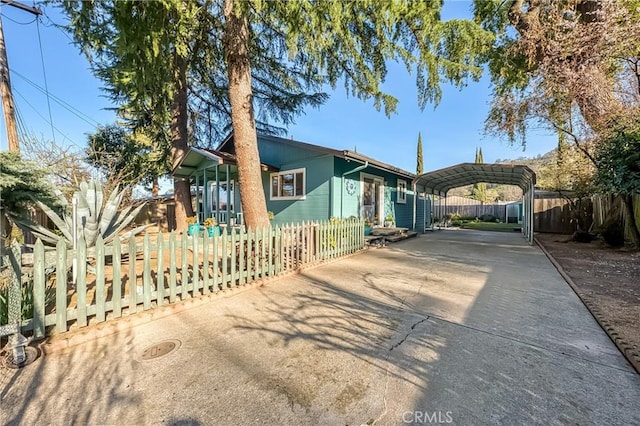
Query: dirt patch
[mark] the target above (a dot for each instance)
(608, 278)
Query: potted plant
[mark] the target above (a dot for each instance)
(367, 226)
(388, 221)
(212, 227)
(192, 225)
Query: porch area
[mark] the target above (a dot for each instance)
(213, 176)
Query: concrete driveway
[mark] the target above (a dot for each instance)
(460, 327)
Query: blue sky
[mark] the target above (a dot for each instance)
(450, 133)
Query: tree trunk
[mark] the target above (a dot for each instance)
(236, 41)
(155, 189)
(179, 146)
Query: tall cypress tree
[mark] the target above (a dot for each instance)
(480, 188)
(420, 159)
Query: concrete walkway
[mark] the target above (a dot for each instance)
(461, 327)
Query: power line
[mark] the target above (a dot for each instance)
(61, 102)
(46, 86)
(22, 128)
(57, 26)
(17, 22)
(45, 120)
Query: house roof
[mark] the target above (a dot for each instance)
(346, 154)
(441, 181)
(192, 160)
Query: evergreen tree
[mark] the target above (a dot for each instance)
(242, 55)
(480, 188)
(420, 159)
(22, 183)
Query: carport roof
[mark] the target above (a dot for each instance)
(441, 181)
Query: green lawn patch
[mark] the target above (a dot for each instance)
(492, 226)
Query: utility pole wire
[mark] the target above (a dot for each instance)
(5, 82)
(46, 86)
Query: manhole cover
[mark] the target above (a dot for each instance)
(31, 354)
(159, 349)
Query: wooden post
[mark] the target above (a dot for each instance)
(160, 272)
(38, 290)
(81, 284)
(146, 273)
(184, 294)
(116, 283)
(205, 262)
(61, 286)
(172, 267)
(7, 98)
(100, 291)
(133, 277)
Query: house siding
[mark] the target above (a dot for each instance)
(402, 213)
(326, 189)
(316, 205)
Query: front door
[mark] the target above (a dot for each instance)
(372, 196)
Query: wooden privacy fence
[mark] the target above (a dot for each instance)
(168, 268)
(558, 215)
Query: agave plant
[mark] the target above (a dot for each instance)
(95, 217)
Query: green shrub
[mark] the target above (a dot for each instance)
(487, 218)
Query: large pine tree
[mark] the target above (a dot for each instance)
(239, 52)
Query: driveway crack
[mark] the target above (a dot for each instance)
(388, 374)
(409, 333)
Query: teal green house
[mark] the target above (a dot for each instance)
(304, 182)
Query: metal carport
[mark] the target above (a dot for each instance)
(439, 182)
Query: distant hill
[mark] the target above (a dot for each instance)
(534, 163)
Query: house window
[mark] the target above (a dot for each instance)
(288, 185)
(402, 192)
(222, 201)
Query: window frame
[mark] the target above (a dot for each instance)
(402, 189)
(276, 197)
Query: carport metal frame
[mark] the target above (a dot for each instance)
(439, 182)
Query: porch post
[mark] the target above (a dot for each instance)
(198, 218)
(217, 192)
(228, 196)
(205, 207)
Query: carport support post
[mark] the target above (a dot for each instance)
(532, 206)
(415, 200)
(445, 210)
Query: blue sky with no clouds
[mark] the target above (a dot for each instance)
(450, 133)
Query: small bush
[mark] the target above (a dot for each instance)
(613, 234)
(487, 218)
